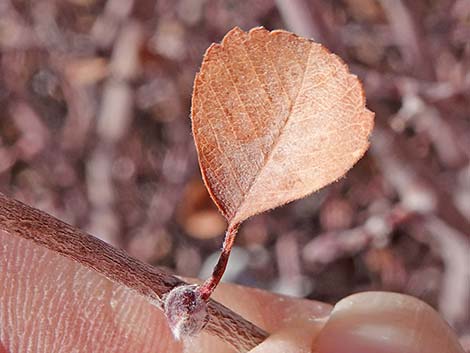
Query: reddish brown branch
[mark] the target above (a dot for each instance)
(18, 219)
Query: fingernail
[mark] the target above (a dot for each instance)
(386, 323)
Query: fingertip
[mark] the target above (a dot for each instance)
(387, 323)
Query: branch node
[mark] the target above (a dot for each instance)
(186, 311)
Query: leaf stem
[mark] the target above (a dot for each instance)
(210, 284)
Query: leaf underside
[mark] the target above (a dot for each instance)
(275, 117)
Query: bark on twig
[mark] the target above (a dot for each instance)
(18, 219)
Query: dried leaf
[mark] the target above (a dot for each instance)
(275, 118)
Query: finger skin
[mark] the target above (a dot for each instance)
(379, 322)
(51, 304)
(2, 348)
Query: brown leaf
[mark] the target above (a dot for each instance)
(275, 117)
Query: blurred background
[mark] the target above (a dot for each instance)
(95, 130)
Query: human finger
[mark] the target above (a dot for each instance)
(51, 304)
(379, 322)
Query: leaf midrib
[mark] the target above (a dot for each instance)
(276, 139)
